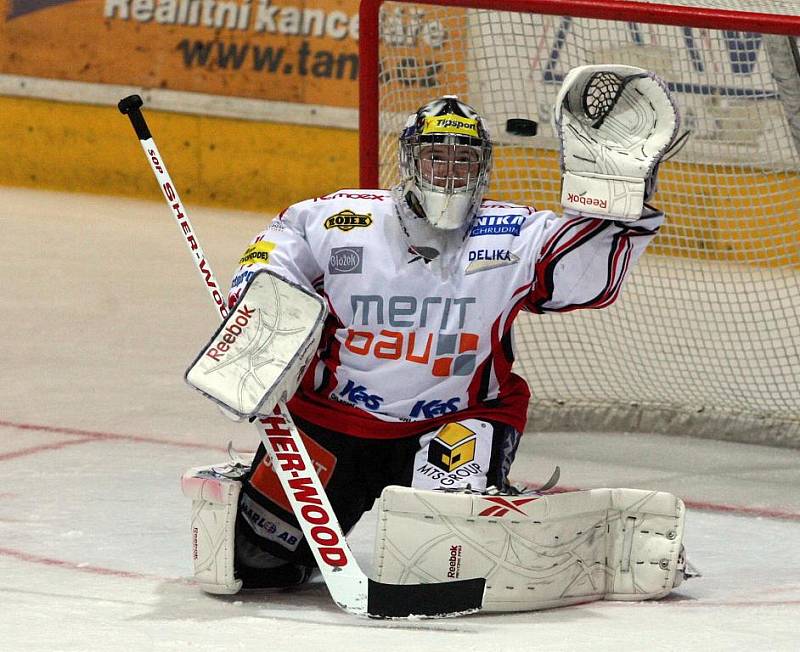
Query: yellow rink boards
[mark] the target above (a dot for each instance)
(239, 164)
(727, 213)
(265, 166)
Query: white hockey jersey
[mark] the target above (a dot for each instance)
(411, 342)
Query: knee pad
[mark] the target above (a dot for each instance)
(224, 563)
(259, 569)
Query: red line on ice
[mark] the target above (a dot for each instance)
(90, 436)
(693, 603)
(765, 512)
(44, 447)
(741, 510)
(86, 568)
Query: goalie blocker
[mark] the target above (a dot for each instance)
(257, 357)
(535, 551)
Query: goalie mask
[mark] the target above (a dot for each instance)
(445, 161)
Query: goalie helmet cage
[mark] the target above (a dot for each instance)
(705, 339)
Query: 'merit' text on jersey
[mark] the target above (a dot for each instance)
(408, 311)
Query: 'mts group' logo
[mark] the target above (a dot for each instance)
(458, 454)
(452, 448)
(427, 331)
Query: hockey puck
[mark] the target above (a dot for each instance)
(521, 127)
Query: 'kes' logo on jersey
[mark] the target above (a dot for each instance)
(434, 408)
(356, 394)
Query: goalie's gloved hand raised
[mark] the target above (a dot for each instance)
(615, 123)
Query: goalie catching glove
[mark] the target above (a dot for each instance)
(615, 123)
(258, 355)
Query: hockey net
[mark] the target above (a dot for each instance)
(705, 339)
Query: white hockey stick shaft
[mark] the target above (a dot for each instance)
(347, 583)
(288, 455)
(349, 587)
(181, 219)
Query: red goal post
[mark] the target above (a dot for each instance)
(705, 339)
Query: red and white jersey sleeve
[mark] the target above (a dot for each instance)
(409, 343)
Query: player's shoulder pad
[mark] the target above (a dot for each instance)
(502, 218)
(353, 199)
(489, 205)
(348, 209)
(357, 195)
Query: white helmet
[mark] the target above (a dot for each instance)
(445, 161)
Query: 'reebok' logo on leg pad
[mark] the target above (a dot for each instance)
(502, 506)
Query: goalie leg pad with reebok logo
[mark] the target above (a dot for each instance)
(214, 491)
(536, 552)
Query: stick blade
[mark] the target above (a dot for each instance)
(439, 600)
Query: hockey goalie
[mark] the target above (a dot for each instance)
(384, 319)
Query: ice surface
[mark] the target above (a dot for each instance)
(103, 311)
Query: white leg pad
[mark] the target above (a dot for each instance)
(214, 491)
(536, 552)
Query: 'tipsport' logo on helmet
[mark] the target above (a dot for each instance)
(450, 124)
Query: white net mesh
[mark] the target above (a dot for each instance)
(706, 337)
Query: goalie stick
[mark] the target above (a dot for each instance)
(349, 587)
